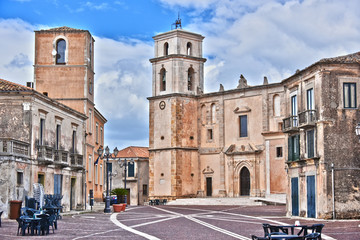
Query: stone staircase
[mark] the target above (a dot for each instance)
(273, 199)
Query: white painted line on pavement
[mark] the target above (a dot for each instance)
(147, 223)
(119, 224)
(221, 230)
(217, 228)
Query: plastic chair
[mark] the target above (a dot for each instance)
(313, 236)
(315, 228)
(253, 237)
(23, 225)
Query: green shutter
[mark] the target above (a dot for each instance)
(290, 149)
(297, 147)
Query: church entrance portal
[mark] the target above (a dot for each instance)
(244, 182)
(208, 186)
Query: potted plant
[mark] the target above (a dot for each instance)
(120, 194)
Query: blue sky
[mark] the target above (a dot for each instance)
(255, 38)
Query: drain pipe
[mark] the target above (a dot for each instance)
(333, 189)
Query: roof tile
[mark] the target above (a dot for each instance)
(6, 86)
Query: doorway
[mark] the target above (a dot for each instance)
(208, 186)
(244, 182)
(72, 194)
(295, 196)
(310, 180)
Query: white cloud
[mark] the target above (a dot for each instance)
(271, 38)
(17, 50)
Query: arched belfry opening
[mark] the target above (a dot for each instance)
(163, 79)
(60, 51)
(188, 49)
(166, 49)
(244, 182)
(190, 79)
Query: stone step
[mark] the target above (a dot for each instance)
(216, 201)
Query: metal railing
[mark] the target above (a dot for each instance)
(307, 117)
(290, 123)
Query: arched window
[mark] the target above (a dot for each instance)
(188, 48)
(190, 79)
(166, 49)
(213, 113)
(60, 51)
(163, 79)
(276, 105)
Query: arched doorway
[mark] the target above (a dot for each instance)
(244, 182)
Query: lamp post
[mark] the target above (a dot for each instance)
(106, 155)
(125, 164)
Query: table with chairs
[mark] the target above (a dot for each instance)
(158, 202)
(293, 232)
(38, 220)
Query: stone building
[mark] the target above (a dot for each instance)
(220, 144)
(64, 71)
(41, 140)
(137, 173)
(322, 109)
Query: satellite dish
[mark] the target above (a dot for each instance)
(53, 52)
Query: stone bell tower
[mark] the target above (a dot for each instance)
(177, 78)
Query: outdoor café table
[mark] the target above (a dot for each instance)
(283, 236)
(33, 222)
(292, 227)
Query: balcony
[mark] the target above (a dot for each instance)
(10, 146)
(45, 154)
(76, 161)
(307, 119)
(290, 124)
(61, 158)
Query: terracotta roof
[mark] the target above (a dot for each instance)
(350, 58)
(63, 29)
(134, 152)
(6, 86)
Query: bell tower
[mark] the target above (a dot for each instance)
(64, 66)
(177, 79)
(178, 65)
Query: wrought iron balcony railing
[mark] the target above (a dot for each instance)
(307, 118)
(290, 124)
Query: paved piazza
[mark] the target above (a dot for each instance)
(180, 222)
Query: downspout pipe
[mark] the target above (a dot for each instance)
(333, 189)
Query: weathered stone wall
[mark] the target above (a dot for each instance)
(339, 138)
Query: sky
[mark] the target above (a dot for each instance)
(256, 38)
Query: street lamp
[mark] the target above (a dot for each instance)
(106, 155)
(125, 164)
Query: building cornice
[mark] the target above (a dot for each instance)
(174, 148)
(179, 56)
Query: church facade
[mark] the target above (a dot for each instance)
(220, 144)
(299, 136)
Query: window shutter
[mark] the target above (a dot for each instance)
(290, 149)
(297, 147)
